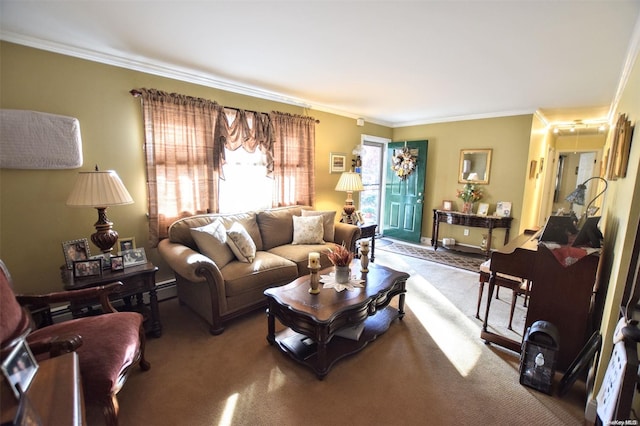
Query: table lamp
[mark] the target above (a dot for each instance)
(349, 182)
(577, 196)
(100, 189)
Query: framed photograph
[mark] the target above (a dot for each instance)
(337, 162)
(125, 244)
(503, 209)
(134, 257)
(533, 168)
(87, 268)
(447, 205)
(358, 216)
(75, 250)
(483, 209)
(117, 263)
(19, 368)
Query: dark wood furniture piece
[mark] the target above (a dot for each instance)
(471, 220)
(561, 295)
(368, 230)
(136, 280)
(55, 393)
(314, 320)
(108, 346)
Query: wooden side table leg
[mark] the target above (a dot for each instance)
(156, 326)
(271, 325)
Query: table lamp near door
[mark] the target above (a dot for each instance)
(349, 182)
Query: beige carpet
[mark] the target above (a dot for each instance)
(430, 368)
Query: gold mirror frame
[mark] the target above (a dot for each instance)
(475, 166)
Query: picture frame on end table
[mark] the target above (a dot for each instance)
(447, 205)
(134, 257)
(483, 209)
(503, 209)
(87, 268)
(19, 368)
(75, 250)
(117, 263)
(337, 162)
(128, 243)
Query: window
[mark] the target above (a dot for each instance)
(246, 185)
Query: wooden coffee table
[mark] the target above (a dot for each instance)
(312, 321)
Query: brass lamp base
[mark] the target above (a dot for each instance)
(105, 236)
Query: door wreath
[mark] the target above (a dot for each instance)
(404, 163)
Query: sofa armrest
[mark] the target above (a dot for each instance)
(346, 234)
(187, 262)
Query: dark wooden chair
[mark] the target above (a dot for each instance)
(108, 345)
(517, 286)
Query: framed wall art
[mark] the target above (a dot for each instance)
(337, 162)
(75, 250)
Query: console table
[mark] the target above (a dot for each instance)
(136, 280)
(470, 220)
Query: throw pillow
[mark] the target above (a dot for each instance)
(307, 230)
(211, 240)
(241, 243)
(328, 222)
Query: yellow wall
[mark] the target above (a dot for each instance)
(509, 139)
(621, 216)
(34, 219)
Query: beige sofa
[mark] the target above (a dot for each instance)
(220, 279)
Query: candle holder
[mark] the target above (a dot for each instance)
(314, 280)
(364, 256)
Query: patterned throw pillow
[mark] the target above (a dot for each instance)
(328, 219)
(212, 242)
(307, 230)
(241, 243)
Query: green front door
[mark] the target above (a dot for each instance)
(404, 196)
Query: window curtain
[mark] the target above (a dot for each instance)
(182, 159)
(249, 130)
(294, 159)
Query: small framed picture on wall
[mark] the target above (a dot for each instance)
(337, 162)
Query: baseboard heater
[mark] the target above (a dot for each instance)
(165, 290)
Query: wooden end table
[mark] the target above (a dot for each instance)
(55, 393)
(136, 280)
(314, 320)
(368, 230)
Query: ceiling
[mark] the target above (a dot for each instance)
(392, 62)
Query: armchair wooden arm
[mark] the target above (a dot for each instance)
(101, 293)
(56, 345)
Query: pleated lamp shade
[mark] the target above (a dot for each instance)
(99, 189)
(349, 182)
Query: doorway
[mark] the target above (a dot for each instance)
(572, 169)
(404, 190)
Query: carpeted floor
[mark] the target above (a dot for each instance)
(470, 262)
(430, 368)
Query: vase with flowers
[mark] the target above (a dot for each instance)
(469, 194)
(341, 258)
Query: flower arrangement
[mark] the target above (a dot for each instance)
(404, 163)
(340, 255)
(469, 193)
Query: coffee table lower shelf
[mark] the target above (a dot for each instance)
(293, 343)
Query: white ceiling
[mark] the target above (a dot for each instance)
(391, 62)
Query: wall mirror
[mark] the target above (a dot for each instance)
(475, 165)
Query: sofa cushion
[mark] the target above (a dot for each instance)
(276, 226)
(212, 242)
(241, 243)
(328, 222)
(299, 254)
(307, 230)
(268, 268)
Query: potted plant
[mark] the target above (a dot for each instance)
(469, 194)
(341, 258)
